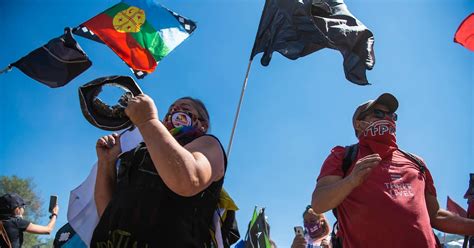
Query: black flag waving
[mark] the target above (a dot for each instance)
(296, 28)
(56, 63)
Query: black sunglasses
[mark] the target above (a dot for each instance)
(380, 114)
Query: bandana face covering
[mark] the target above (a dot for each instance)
(181, 127)
(379, 136)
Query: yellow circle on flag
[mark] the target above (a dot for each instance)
(129, 20)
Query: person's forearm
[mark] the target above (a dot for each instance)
(174, 163)
(104, 185)
(450, 223)
(51, 223)
(330, 196)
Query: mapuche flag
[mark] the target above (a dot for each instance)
(297, 28)
(140, 32)
(465, 33)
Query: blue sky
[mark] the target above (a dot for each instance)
(294, 112)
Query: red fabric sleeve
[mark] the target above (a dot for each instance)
(332, 166)
(429, 183)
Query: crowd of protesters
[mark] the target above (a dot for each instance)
(164, 192)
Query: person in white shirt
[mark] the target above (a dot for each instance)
(316, 231)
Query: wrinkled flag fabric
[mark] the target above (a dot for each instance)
(297, 28)
(140, 32)
(453, 207)
(258, 234)
(56, 63)
(465, 33)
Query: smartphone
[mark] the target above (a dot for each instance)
(299, 230)
(53, 201)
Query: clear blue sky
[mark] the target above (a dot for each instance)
(293, 114)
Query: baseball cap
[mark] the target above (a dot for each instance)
(11, 201)
(385, 99)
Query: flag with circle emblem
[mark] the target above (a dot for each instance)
(140, 32)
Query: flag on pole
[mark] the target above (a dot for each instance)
(56, 63)
(296, 28)
(470, 191)
(140, 32)
(258, 233)
(453, 207)
(465, 33)
(469, 195)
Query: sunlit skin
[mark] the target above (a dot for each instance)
(38, 229)
(186, 170)
(331, 190)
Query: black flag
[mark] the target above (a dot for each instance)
(296, 28)
(57, 62)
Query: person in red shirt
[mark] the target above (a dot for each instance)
(385, 199)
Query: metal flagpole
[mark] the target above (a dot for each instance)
(6, 69)
(244, 85)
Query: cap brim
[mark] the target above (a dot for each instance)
(387, 100)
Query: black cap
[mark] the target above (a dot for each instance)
(99, 114)
(11, 201)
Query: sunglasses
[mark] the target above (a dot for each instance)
(380, 114)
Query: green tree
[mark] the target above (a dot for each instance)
(33, 212)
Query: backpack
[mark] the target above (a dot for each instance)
(4, 240)
(350, 155)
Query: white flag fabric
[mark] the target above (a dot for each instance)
(82, 213)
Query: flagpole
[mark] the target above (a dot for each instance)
(6, 69)
(244, 86)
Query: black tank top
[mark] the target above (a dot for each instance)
(145, 213)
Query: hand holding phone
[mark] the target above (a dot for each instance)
(53, 201)
(299, 230)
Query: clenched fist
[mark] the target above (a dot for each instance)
(141, 109)
(108, 148)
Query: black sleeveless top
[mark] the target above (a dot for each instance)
(145, 213)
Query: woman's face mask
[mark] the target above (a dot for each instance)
(314, 229)
(182, 127)
(181, 119)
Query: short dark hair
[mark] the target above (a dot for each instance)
(307, 210)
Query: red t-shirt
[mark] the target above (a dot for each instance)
(388, 209)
